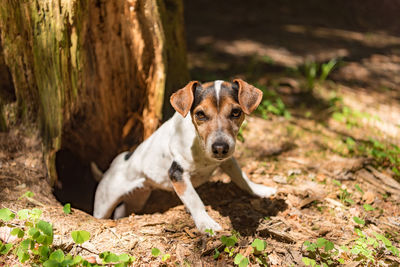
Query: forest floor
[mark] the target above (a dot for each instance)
(329, 144)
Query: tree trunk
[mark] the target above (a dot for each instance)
(93, 73)
(7, 94)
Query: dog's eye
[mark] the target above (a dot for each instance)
(201, 116)
(236, 113)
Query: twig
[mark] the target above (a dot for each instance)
(34, 201)
(79, 246)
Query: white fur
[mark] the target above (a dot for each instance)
(217, 87)
(147, 168)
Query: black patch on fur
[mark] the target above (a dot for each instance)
(232, 91)
(128, 155)
(200, 93)
(175, 172)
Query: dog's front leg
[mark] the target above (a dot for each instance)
(184, 189)
(232, 168)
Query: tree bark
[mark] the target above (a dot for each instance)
(93, 73)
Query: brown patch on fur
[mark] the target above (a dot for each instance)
(205, 128)
(182, 99)
(249, 96)
(227, 103)
(180, 187)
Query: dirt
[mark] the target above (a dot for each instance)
(302, 156)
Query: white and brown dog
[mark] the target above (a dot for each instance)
(184, 152)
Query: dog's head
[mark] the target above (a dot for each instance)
(217, 110)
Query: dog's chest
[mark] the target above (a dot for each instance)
(202, 173)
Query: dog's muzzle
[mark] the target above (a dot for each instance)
(220, 149)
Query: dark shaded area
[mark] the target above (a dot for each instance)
(75, 184)
(294, 32)
(7, 91)
(245, 211)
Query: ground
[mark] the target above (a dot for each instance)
(334, 153)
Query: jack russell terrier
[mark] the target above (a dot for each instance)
(183, 153)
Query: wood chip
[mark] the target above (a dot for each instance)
(389, 181)
(277, 234)
(369, 197)
(189, 233)
(379, 184)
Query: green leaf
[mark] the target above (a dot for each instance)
(34, 232)
(165, 257)
(18, 232)
(210, 232)
(329, 246)
(359, 188)
(22, 254)
(241, 260)
(6, 215)
(216, 254)
(259, 245)
(4, 249)
(27, 194)
(368, 207)
(67, 208)
(358, 220)
(124, 257)
(36, 213)
(80, 237)
(228, 241)
(45, 227)
(23, 214)
(395, 251)
(384, 240)
(44, 252)
(321, 242)
(57, 255)
(77, 259)
(24, 245)
(155, 252)
(336, 182)
(308, 261)
(110, 257)
(51, 263)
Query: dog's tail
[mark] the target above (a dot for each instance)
(96, 172)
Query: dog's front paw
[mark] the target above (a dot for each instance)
(262, 190)
(204, 222)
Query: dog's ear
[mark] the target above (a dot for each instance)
(182, 99)
(249, 96)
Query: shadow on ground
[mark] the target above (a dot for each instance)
(244, 211)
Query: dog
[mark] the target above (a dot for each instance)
(184, 152)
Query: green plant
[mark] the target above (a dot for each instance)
(67, 208)
(344, 195)
(272, 104)
(370, 250)
(321, 253)
(257, 254)
(35, 245)
(384, 155)
(351, 117)
(155, 252)
(312, 69)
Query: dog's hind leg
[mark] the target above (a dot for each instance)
(232, 168)
(133, 202)
(111, 191)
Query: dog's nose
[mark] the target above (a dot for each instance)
(220, 148)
